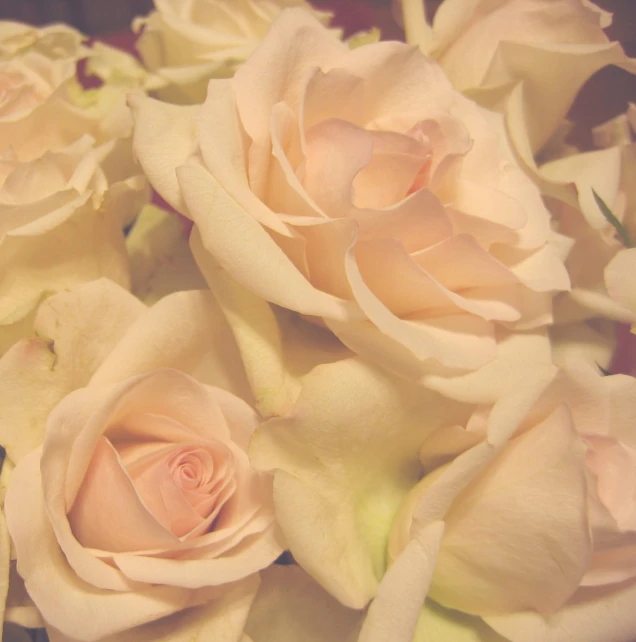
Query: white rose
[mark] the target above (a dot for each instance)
(358, 187)
(187, 43)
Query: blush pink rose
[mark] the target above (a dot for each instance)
(538, 503)
(359, 188)
(140, 503)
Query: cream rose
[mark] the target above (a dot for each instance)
(32, 99)
(362, 190)
(68, 179)
(187, 43)
(528, 58)
(147, 490)
(141, 501)
(540, 510)
(42, 105)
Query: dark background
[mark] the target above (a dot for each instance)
(104, 16)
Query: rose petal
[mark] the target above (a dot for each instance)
(548, 537)
(394, 612)
(259, 269)
(164, 137)
(123, 525)
(317, 483)
(594, 615)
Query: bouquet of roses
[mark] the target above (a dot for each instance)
(308, 336)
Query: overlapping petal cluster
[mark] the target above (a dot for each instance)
(364, 191)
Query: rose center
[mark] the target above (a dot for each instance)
(185, 485)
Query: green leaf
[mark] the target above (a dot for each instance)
(612, 220)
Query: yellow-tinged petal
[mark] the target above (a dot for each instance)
(346, 457)
(393, 615)
(437, 624)
(76, 329)
(185, 331)
(164, 137)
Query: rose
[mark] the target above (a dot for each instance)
(39, 93)
(141, 499)
(392, 210)
(36, 67)
(528, 58)
(68, 179)
(534, 514)
(187, 44)
(145, 484)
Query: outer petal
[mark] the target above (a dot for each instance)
(518, 536)
(319, 482)
(599, 170)
(164, 137)
(519, 355)
(558, 71)
(594, 615)
(394, 612)
(85, 324)
(275, 351)
(223, 147)
(79, 328)
(221, 620)
(248, 253)
(185, 331)
(271, 71)
(87, 245)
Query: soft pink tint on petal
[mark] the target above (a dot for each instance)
(397, 164)
(614, 465)
(336, 153)
(417, 222)
(518, 537)
(275, 73)
(99, 521)
(185, 485)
